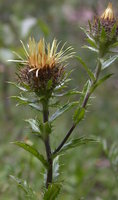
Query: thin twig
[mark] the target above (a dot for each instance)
(85, 101)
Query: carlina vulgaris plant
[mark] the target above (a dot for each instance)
(42, 74)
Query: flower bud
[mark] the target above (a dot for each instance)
(104, 29)
(108, 13)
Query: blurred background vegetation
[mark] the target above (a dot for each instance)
(88, 172)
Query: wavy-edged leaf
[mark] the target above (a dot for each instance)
(89, 72)
(109, 61)
(32, 150)
(52, 192)
(63, 109)
(22, 184)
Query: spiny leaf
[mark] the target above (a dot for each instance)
(31, 150)
(20, 98)
(92, 43)
(22, 184)
(103, 35)
(78, 115)
(68, 93)
(109, 61)
(24, 89)
(33, 102)
(62, 109)
(114, 45)
(34, 125)
(36, 106)
(100, 82)
(84, 92)
(64, 82)
(52, 192)
(45, 128)
(91, 75)
(87, 34)
(113, 31)
(76, 143)
(90, 48)
(56, 168)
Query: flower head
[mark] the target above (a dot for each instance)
(44, 64)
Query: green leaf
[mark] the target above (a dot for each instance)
(114, 45)
(109, 61)
(62, 109)
(103, 35)
(56, 168)
(52, 192)
(113, 31)
(89, 72)
(22, 184)
(33, 102)
(54, 104)
(24, 89)
(68, 93)
(20, 99)
(100, 82)
(78, 115)
(64, 82)
(32, 150)
(92, 43)
(77, 143)
(87, 34)
(34, 125)
(90, 48)
(49, 84)
(35, 106)
(84, 92)
(23, 100)
(45, 128)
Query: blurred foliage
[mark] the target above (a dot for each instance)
(89, 172)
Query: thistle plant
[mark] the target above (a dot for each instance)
(43, 80)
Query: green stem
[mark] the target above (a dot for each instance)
(85, 101)
(47, 146)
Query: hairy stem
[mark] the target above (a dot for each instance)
(84, 104)
(47, 147)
